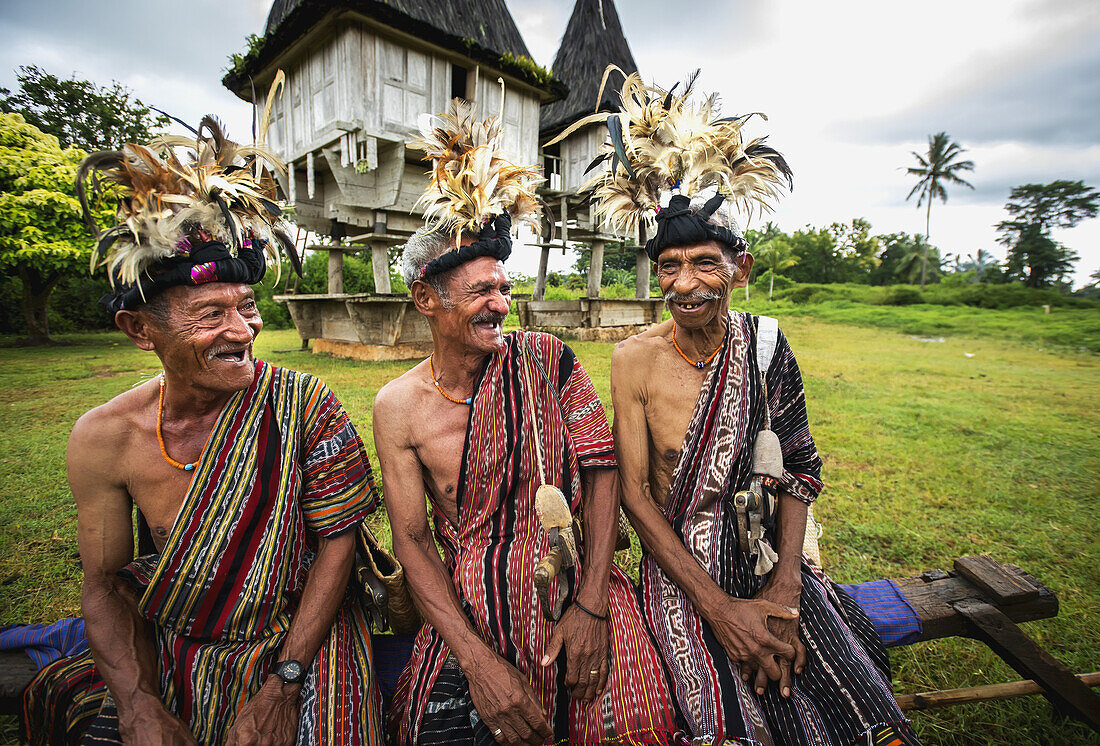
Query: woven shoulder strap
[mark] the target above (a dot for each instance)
(767, 336)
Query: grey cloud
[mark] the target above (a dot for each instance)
(1053, 98)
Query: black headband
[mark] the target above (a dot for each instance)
(677, 225)
(494, 240)
(209, 262)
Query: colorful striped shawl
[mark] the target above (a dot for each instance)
(493, 551)
(283, 465)
(843, 693)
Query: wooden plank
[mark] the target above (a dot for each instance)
(1066, 692)
(992, 577)
(933, 599)
(970, 694)
(17, 670)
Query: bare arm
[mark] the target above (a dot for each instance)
(271, 715)
(501, 696)
(120, 639)
(740, 625)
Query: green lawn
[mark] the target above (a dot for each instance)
(932, 451)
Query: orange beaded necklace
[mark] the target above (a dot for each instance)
(702, 363)
(468, 400)
(160, 435)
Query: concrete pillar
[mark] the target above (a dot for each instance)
(595, 270)
(335, 272)
(380, 263)
(540, 280)
(641, 274)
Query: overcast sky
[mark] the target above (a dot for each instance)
(850, 87)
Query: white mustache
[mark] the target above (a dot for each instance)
(491, 318)
(212, 353)
(698, 296)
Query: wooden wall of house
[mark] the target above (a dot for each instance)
(353, 76)
(577, 152)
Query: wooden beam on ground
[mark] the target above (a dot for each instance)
(933, 593)
(971, 694)
(1066, 692)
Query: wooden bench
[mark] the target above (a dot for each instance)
(980, 598)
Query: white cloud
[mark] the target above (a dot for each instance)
(851, 86)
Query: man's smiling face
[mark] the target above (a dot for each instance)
(697, 280)
(478, 296)
(206, 335)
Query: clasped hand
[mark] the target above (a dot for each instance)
(587, 662)
(761, 635)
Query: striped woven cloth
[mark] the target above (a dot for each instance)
(282, 467)
(492, 555)
(844, 691)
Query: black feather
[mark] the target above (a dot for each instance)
(108, 239)
(217, 131)
(88, 168)
(229, 222)
(272, 208)
(760, 150)
(615, 129)
(290, 251)
(177, 120)
(597, 161)
(668, 97)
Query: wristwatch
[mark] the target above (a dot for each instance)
(291, 672)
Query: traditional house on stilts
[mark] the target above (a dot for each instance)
(359, 73)
(593, 40)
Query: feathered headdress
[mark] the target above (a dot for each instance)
(664, 149)
(473, 187)
(208, 217)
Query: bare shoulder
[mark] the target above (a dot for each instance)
(641, 347)
(107, 427)
(397, 396)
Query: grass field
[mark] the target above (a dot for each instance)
(932, 450)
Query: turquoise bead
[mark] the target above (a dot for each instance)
(188, 467)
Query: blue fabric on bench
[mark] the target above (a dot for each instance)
(45, 643)
(895, 619)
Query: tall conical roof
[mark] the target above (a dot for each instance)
(593, 39)
(483, 30)
(487, 22)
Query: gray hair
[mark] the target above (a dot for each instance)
(424, 246)
(723, 216)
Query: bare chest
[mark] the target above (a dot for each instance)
(670, 402)
(439, 439)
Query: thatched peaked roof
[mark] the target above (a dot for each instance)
(487, 22)
(593, 39)
(483, 30)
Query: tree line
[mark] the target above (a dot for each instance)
(49, 124)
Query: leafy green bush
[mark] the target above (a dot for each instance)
(902, 295)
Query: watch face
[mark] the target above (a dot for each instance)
(289, 671)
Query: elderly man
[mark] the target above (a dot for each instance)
(478, 427)
(238, 628)
(762, 649)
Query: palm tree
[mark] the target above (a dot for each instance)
(980, 263)
(913, 262)
(937, 167)
(775, 254)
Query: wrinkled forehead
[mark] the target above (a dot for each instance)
(484, 271)
(186, 297)
(690, 252)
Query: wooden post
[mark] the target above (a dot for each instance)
(380, 263)
(540, 281)
(335, 272)
(641, 274)
(595, 269)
